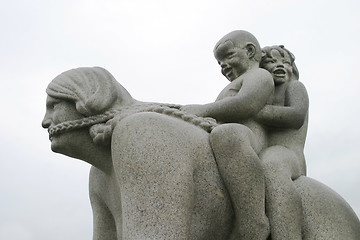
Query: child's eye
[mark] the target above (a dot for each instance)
(230, 55)
(269, 61)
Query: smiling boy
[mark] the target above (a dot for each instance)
(236, 145)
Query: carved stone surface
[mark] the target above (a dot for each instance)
(164, 171)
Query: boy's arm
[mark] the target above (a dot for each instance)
(293, 114)
(254, 94)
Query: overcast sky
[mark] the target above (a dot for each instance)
(160, 50)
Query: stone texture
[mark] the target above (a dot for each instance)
(326, 214)
(163, 171)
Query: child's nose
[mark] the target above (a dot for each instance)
(280, 64)
(223, 65)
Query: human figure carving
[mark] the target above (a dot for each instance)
(236, 146)
(146, 181)
(286, 124)
(283, 159)
(154, 173)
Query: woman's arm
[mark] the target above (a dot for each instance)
(104, 227)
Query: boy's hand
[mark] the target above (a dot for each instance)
(195, 109)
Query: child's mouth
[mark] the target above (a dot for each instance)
(279, 73)
(227, 71)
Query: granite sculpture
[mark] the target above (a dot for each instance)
(164, 171)
(237, 146)
(269, 139)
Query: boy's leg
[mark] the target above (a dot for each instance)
(235, 148)
(283, 203)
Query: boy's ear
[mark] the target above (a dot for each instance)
(251, 49)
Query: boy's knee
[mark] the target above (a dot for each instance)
(230, 132)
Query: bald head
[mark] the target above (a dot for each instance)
(241, 39)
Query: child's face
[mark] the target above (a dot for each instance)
(279, 67)
(234, 61)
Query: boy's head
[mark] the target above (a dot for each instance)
(237, 52)
(280, 62)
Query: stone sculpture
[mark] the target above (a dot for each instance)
(237, 146)
(155, 171)
(270, 136)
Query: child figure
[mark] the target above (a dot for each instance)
(236, 145)
(286, 120)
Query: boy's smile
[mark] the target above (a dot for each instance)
(233, 60)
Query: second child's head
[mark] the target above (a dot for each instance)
(280, 62)
(236, 53)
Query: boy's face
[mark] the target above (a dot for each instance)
(234, 61)
(279, 67)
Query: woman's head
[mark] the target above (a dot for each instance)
(93, 90)
(90, 94)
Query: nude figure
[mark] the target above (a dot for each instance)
(154, 174)
(286, 120)
(236, 146)
(154, 178)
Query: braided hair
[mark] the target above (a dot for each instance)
(86, 87)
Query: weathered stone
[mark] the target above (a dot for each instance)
(164, 171)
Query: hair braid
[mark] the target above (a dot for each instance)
(103, 124)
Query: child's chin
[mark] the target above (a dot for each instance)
(279, 81)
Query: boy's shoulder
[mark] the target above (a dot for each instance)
(254, 75)
(258, 75)
(261, 72)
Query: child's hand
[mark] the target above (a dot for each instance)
(195, 109)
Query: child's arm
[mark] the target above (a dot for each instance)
(293, 114)
(254, 94)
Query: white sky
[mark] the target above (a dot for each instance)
(160, 50)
